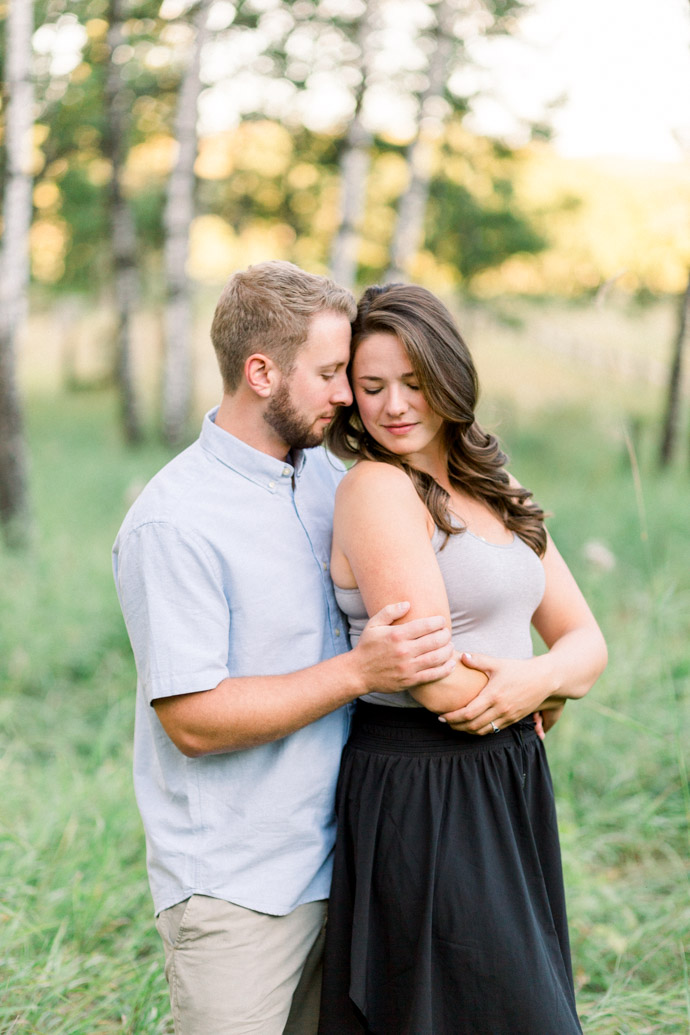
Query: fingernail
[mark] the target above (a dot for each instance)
(468, 655)
(441, 719)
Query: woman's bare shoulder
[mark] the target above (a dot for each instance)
(371, 493)
(373, 478)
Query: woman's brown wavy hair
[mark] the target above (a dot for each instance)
(446, 375)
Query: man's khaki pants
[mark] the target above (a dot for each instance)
(232, 971)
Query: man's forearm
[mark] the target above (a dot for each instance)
(245, 711)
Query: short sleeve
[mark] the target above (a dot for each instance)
(175, 609)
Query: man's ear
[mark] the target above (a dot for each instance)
(261, 374)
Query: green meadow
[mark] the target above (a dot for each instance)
(577, 408)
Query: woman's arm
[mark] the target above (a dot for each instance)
(575, 659)
(381, 542)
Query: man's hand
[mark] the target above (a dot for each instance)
(551, 713)
(245, 711)
(396, 657)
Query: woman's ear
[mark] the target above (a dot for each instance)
(261, 374)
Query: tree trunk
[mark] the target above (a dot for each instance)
(14, 268)
(126, 285)
(409, 230)
(179, 212)
(672, 416)
(354, 169)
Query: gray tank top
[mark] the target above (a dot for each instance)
(493, 591)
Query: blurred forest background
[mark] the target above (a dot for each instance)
(148, 150)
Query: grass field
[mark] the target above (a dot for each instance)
(78, 951)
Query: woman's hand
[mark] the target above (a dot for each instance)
(515, 688)
(575, 658)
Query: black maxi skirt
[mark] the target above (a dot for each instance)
(447, 911)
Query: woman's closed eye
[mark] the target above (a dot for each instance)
(375, 391)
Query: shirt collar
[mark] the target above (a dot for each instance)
(261, 468)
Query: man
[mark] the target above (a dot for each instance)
(243, 667)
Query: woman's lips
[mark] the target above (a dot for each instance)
(399, 429)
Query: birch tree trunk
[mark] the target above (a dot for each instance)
(355, 161)
(672, 416)
(409, 230)
(14, 268)
(354, 171)
(179, 212)
(124, 243)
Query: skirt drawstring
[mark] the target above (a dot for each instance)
(517, 735)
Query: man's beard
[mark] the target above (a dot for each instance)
(294, 430)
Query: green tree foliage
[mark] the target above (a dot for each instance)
(474, 234)
(292, 192)
(73, 115)
(288, 51)
(474, 230)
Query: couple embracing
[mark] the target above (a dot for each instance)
(284, 613)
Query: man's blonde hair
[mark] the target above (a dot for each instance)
(266, 308)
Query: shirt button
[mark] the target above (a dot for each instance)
(324, 565)
(271, 485)
(286, 472)
(337, 632)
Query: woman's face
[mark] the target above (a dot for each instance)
(392, 406)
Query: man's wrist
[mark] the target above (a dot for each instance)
(341, 678)
(351, 675)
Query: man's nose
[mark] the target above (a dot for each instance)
(342, 393)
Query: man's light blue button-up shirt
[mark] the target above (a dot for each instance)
(222, 569)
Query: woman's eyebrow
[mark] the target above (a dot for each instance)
(377, 377)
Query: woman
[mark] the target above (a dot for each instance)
(447, 912)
